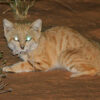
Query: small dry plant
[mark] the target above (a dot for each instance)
(1, 55)
(2, 87)
(20, 7)
(2, 83)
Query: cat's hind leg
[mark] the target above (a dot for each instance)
(80, 70)
(74, 62)
(19, 67)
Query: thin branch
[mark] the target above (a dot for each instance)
(5, 91)
(2, 86)
(6, 10)
(66, 6)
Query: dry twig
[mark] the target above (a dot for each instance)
(19, 7)
(2, 86)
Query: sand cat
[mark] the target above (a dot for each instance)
(58, 47)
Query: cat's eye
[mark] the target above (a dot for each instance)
(16, 38)
(28, 38)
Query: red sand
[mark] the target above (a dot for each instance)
(82, 15)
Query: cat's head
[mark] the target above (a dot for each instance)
(22, 37)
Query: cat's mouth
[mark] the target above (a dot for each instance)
(23, 52)
(19, 52)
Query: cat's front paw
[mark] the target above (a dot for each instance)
(7, 69)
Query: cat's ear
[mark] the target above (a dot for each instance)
(37, 25)
(8, 26)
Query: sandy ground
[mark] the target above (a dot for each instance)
(82, 15)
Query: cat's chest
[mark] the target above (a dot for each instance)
(24, 57)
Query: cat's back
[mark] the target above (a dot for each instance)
(63, 32)
(65, 36)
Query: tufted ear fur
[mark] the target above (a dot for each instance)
(8, 26)
(37, 25)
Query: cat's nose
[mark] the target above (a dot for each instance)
(22, 47)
